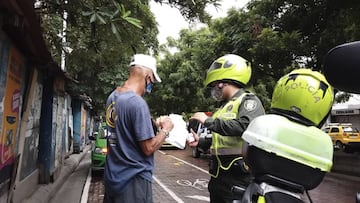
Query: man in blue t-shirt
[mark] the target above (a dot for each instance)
(132, 140)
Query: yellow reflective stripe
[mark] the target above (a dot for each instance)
(225, 168)
(225, 115)
(232, 151)
(228, 115)
(261, 199)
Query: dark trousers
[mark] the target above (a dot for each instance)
(221, 186)
(138, 190)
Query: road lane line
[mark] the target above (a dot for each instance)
(170, 192)
(185, 162)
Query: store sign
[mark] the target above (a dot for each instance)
(345, 112)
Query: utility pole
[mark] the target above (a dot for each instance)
(63, 39)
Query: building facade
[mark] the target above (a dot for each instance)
(39, 122)
(348, 112)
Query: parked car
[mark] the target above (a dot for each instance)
(344, 136)
(166, 145)
(99, 148)
(205, 138)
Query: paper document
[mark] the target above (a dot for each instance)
(179, 133)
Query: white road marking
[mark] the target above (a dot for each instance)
(199, 197)
(85, 193)
(199, 184)
(170, 192)
(185, 162)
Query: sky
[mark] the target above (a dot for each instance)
(171, 22)
(353, 101)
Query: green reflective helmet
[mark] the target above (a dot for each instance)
(231, 68)
(304, 95)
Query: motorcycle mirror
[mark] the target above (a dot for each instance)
(342, 67)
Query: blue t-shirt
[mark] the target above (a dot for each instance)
(129, 121)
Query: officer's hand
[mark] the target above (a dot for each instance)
(196, 139)
(200, 116)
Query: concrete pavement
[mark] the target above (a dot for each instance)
(72, 174)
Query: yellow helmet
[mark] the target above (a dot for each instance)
(303, 95)
(229, 67)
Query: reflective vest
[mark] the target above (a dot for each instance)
(227, 145)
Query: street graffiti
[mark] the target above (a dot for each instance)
(199, 184)
(29, 161)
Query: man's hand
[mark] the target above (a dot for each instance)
(149, 146)
(165, 122)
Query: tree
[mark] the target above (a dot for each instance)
(322, 24)
(192, 10)
(277, 36)
(182, 88)
(103, 36)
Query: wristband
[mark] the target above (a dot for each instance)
(165, 132)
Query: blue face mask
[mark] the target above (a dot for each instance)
(148, 88)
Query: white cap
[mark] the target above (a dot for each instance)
(146, 61)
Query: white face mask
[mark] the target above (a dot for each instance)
(216, 93)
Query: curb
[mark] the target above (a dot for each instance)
(45, 192)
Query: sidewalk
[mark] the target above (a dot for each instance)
(45, 193)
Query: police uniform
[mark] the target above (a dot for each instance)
(226, 165)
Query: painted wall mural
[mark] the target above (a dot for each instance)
(11, 77)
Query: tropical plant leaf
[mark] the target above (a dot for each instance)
(87, 13)
(102, 20)
(134, 22)
(93, 18)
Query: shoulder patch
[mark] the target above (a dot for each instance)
(250, 104)
(111, 115)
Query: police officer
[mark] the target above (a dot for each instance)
(227, 78)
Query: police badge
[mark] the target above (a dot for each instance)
(250, 104)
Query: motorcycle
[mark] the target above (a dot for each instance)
(285, 159)
(342, 68)
(288, 159)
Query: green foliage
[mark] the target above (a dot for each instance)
(276, 36)
(103, 35)
(192, 10)
(183, 74)
(342, 97)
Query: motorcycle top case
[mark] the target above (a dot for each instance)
(287, 150)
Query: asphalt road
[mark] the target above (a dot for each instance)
(335, 187)
(178, 177)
